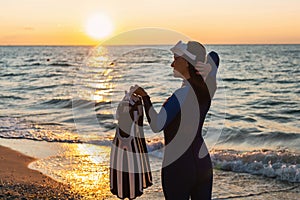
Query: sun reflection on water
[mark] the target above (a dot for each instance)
(88, 170)
(96, 76)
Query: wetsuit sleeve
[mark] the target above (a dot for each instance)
(211, 81)
(158, 121)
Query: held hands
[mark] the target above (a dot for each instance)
(137, 90)
(203, 69)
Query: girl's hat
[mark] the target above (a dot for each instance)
(193, 51)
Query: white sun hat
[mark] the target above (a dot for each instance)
(195, 54)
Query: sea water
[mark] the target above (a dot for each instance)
(69, 95)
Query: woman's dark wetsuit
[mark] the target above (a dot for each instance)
(189, 173)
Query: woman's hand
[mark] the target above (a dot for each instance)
(203, 69)
(137, 90)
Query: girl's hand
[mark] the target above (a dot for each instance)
(137, 90)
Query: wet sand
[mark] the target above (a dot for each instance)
(17, 181)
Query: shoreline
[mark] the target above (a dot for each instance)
(17, 181)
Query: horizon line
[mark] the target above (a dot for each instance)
(91, 45)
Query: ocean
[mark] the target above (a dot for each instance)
(66, 96)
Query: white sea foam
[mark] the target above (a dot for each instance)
(16, 128)
(283, 165)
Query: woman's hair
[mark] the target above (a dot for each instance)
(198, 84)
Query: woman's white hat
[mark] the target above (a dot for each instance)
(195, 54)
(192, 51)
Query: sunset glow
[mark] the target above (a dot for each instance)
(90, 22)
(99, 26)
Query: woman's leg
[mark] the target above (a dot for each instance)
(203, 190)
(174, 187)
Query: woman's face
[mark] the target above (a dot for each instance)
(180, 67)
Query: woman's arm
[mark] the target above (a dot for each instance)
(158, 121)
(169, 110)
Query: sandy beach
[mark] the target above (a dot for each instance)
(17, 181)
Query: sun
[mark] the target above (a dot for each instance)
(99, 26)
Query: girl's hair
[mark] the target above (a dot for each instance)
(198, 84)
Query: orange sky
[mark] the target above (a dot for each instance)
(62, 22)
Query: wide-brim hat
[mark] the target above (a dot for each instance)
(192, 51)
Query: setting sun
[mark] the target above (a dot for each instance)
(99, 26)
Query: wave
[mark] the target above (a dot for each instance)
(50, 75)
(255, 135)
(30, 60)
(238, 80)
(12, 97)
(293, 51)
(72, 103)
(104, 116)
(13, 74)
(62, 103)
(17, 128)
(27, 65)
(43, 139)
(286, 91)
(53, 75)
(281, 164)
(286, 81)
(140, 62)
(290, 111)
(269, 102)
(35, 64)
(60, 64)
(239, 117)
(277, 118)
(43, 87)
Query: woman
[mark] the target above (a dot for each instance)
(187, 168)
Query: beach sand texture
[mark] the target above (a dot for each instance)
(18, 181)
